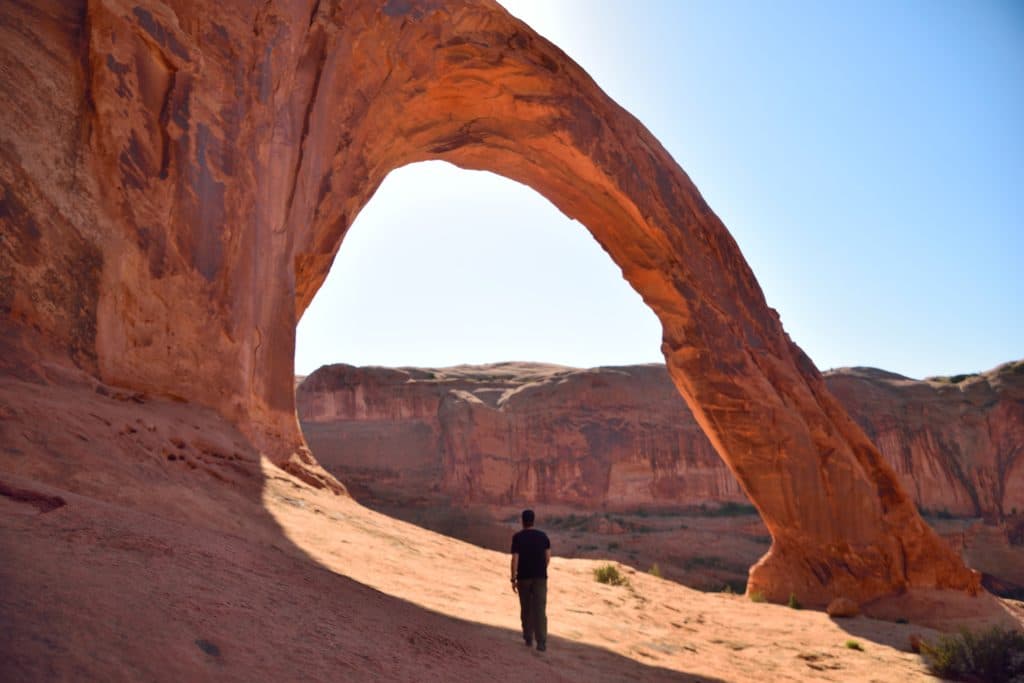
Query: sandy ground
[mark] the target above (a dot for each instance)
(121, 562)
(654, 621)
(705, 551)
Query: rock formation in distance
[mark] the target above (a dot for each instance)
(623, 438)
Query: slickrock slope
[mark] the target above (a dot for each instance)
(177, 177)
(144, 539)
(622, 438)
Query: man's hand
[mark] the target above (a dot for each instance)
(515, 586)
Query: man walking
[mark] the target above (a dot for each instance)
(531, 553)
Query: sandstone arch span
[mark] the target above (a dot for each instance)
(207, 161)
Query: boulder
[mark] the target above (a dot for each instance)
(841, 608)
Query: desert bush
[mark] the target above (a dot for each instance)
(1015, 529)
(854, 645)
(610, 575)
(704, 562)
(952, 379)
(995, 655)
(655, 570)
(757, 596)
(937, 513)
(728, 509)
(793, 602)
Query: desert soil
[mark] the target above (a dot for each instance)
(121, 562)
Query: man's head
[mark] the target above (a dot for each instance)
(527, 519)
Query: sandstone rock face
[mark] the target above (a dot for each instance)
(515, 432)
(177, 177)
(955, 445)
(624, 438)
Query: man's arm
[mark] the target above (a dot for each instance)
(515, 570)
(547, 557)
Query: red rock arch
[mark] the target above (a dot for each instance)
(479, 89)
(219, 153)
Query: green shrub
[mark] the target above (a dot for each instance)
(727, 509)
(953, 379)
(854, 645)
(944, 513)
(793, 602)
(655, 570)
(610, 575)
(757, 596)
(704, 562)
(995, 655)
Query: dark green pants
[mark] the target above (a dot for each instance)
(533, 600)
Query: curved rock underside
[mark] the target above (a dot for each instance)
(178, 176)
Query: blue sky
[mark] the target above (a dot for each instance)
(867, 157)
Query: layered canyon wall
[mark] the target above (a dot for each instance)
(622, 437)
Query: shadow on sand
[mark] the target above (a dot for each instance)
(161, 563)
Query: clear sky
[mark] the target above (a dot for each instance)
(868, 157)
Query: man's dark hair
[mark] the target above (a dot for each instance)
(528, 517)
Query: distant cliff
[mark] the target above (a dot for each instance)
(622, 437)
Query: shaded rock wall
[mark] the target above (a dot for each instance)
(623, 437)
(179, 175)
(957, 446)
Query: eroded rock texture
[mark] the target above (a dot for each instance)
(177, 177)
(619, 438)
(623, 437)
(955, 443)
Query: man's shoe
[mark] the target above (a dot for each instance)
(528, 641)
(541, 646)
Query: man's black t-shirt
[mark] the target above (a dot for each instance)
(530, 544)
